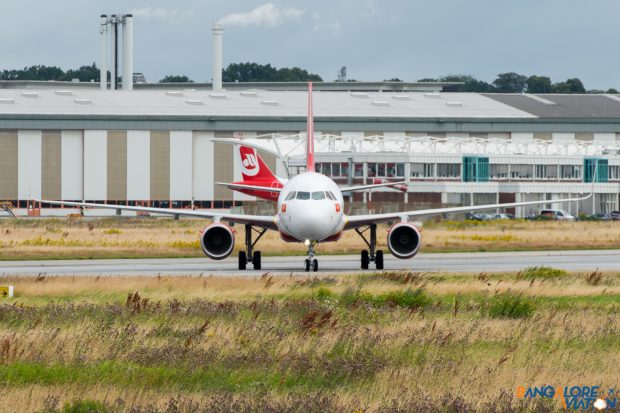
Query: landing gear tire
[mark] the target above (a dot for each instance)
(307, 262)
(365, 259)
(315, 265)
(256, 260)
(243, 260)
(379, 260)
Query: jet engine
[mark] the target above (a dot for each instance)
(217, 241)
(404, 240)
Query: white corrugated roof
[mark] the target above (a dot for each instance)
(252, 103)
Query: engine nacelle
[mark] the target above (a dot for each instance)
(217, 241)
(404, 240)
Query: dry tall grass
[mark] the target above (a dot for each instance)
(117, 238)
(345, 343)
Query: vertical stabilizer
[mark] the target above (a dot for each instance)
(310, 133)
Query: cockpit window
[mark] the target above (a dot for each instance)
(331, 196)
(317, 196)
(291, 196)
(303, 195)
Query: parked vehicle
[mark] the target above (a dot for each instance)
(599, 217)
(556, 214)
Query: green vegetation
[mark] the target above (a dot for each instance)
(510, 306)
(254, 72)
(532, 273)
(390, 341)
(41, 72)
(514, 83)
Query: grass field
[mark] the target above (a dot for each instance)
(393, 341)
(149, 237)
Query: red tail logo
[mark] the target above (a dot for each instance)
(252, 166)
(249, 162)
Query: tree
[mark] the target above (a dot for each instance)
(296, 74)
(84, 73)
(176, 79)
(573, 85)
(470, 84)
(510, 83)
(394, 79)
(254, 72)
(612, 91)
(538, 84)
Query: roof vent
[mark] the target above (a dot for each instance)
(30, 94)
(380, 103)
(359, 94)
(248, 93)
(540, 99)
(401, 97)
(83, 101)
(217, 95)
(174, 93)
(63, 92)
(433, 95)
(7, 100)
(269, 102)
(454, 104)
(194, 102)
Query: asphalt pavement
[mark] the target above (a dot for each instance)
(285, 265)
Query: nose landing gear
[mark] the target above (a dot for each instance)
(374, 254)
(250, 256)
(311, 263)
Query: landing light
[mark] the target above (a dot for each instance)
(307, 243)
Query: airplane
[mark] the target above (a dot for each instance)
(309, 211)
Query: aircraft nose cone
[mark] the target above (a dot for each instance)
(315, 225)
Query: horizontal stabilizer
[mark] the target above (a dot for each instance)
(239, 187)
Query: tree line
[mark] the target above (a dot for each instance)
(253, 72)
(235, 72)
(515, 83)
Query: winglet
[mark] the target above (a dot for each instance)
(310, 133)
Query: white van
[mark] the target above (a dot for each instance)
(556, 214)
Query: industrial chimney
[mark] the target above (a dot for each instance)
(217, 56)
(110, 25)
(128, 52)
(103, 64)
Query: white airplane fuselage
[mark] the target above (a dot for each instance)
(310, 208)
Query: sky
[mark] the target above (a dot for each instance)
(374, 39)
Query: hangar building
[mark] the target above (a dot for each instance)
(169, 146)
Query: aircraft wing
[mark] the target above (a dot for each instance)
(362, 187)
(354, 221)
(265, 221)
(249, 187)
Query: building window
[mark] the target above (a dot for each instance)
(372, 170)
(386, 170)
(614, 172)
(422, 170)
(475, 169)
(448, 170)
(499, 171)
(546, 171)
(359, 170)
(598, 167)
(520, 171)
(570, 171)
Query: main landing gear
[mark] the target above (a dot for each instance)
(250, 256)
(372, 255)
(311, 263)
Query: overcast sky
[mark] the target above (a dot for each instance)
(375, 40)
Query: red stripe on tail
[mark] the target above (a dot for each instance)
(310, 133)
